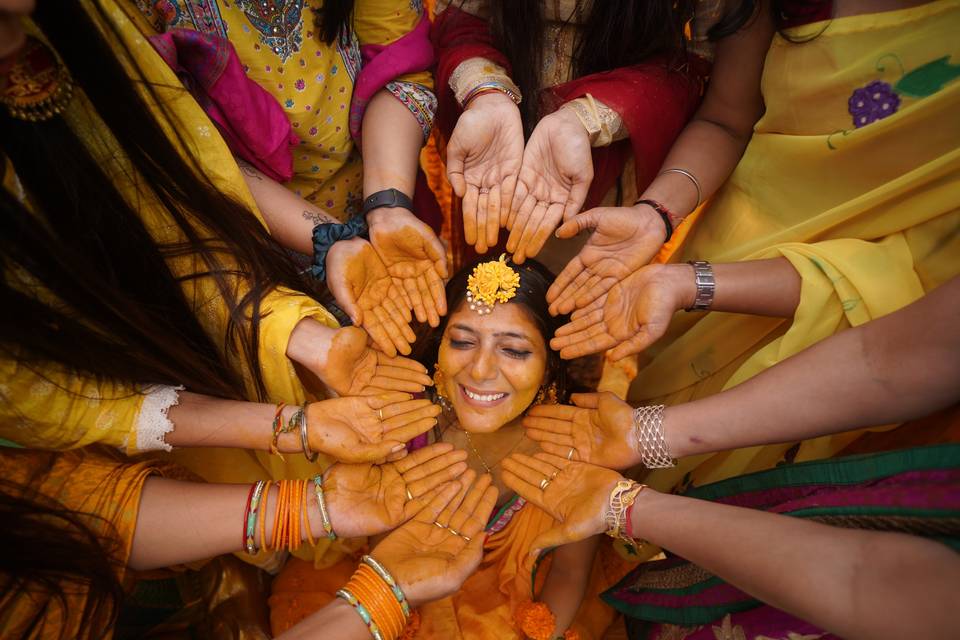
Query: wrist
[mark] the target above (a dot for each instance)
(491, 99)
(384, 214)
(309, 343)
(683, 282)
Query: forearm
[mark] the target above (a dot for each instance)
(336, 621)
(182, 522)
(391, 146)
(856, 584)
(757, 287)
(204, 421)
(567, 581)
(899, 367)
(676, 191)
(289, 217)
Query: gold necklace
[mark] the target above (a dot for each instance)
(487, 467)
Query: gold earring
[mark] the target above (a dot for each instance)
(547, 395)
(439, 380)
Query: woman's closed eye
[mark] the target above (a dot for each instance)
(520, 354)
(460, 344)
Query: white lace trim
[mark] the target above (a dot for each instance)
(152, 422)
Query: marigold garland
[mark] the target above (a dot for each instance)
(537, 622)
(492, 282)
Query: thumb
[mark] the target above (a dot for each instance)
(549, 539)
(586, 221)
(455, 156)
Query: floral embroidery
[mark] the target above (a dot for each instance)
(729, 631)
(873, 102)
(878, 99)
(300, 85)
(279, 23)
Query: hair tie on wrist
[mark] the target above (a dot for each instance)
(327, 234)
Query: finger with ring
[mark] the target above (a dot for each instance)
(570, 455)
(409, 495)
(544, 484)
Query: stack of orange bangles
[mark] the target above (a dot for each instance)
(378, 600)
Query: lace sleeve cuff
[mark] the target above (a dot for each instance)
(152, 423)
(420, 100)
(603, 124)
(473, 72)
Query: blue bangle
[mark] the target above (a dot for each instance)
(325, 235)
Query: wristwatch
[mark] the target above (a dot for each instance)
(706, 285)
(386, 199)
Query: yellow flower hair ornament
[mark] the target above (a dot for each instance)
(491, 282)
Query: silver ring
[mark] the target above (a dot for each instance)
(544, 483)
(484, 190)
(570, 455)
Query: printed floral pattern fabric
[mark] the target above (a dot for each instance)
(873, 102)
(279, 43)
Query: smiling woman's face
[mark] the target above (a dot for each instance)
(492, 365)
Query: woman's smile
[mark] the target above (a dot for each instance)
(482, 398)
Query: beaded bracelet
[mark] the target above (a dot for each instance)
(322, 503)
(278, 429)
(251, 515)
(362, 610)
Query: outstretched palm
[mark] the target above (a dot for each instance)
(483, 162)
(414, 258)
(623, 239)
(354, 369)
(351, 429)
(554, 180)
(628, 318)
(368, 499)
(576, 497)
(598, 430)
(362, 286)
(431, 561)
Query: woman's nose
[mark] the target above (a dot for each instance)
(484, 365)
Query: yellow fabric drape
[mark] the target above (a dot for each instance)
(867, 215)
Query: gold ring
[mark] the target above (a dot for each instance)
(442, 526)
(570, 455)
(409, 495)
(544, 483)
(380, 413)
(554, 475)
(467, 538)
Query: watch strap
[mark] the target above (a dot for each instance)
(706, 285)
(386, 199)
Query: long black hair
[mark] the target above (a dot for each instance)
(334, 17)
(616, 33)
(535, 279)
(785, 13)
(85, 285)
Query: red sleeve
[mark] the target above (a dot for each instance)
(458, 36)
(655, 101)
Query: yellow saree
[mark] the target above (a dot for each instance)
(853, 174)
